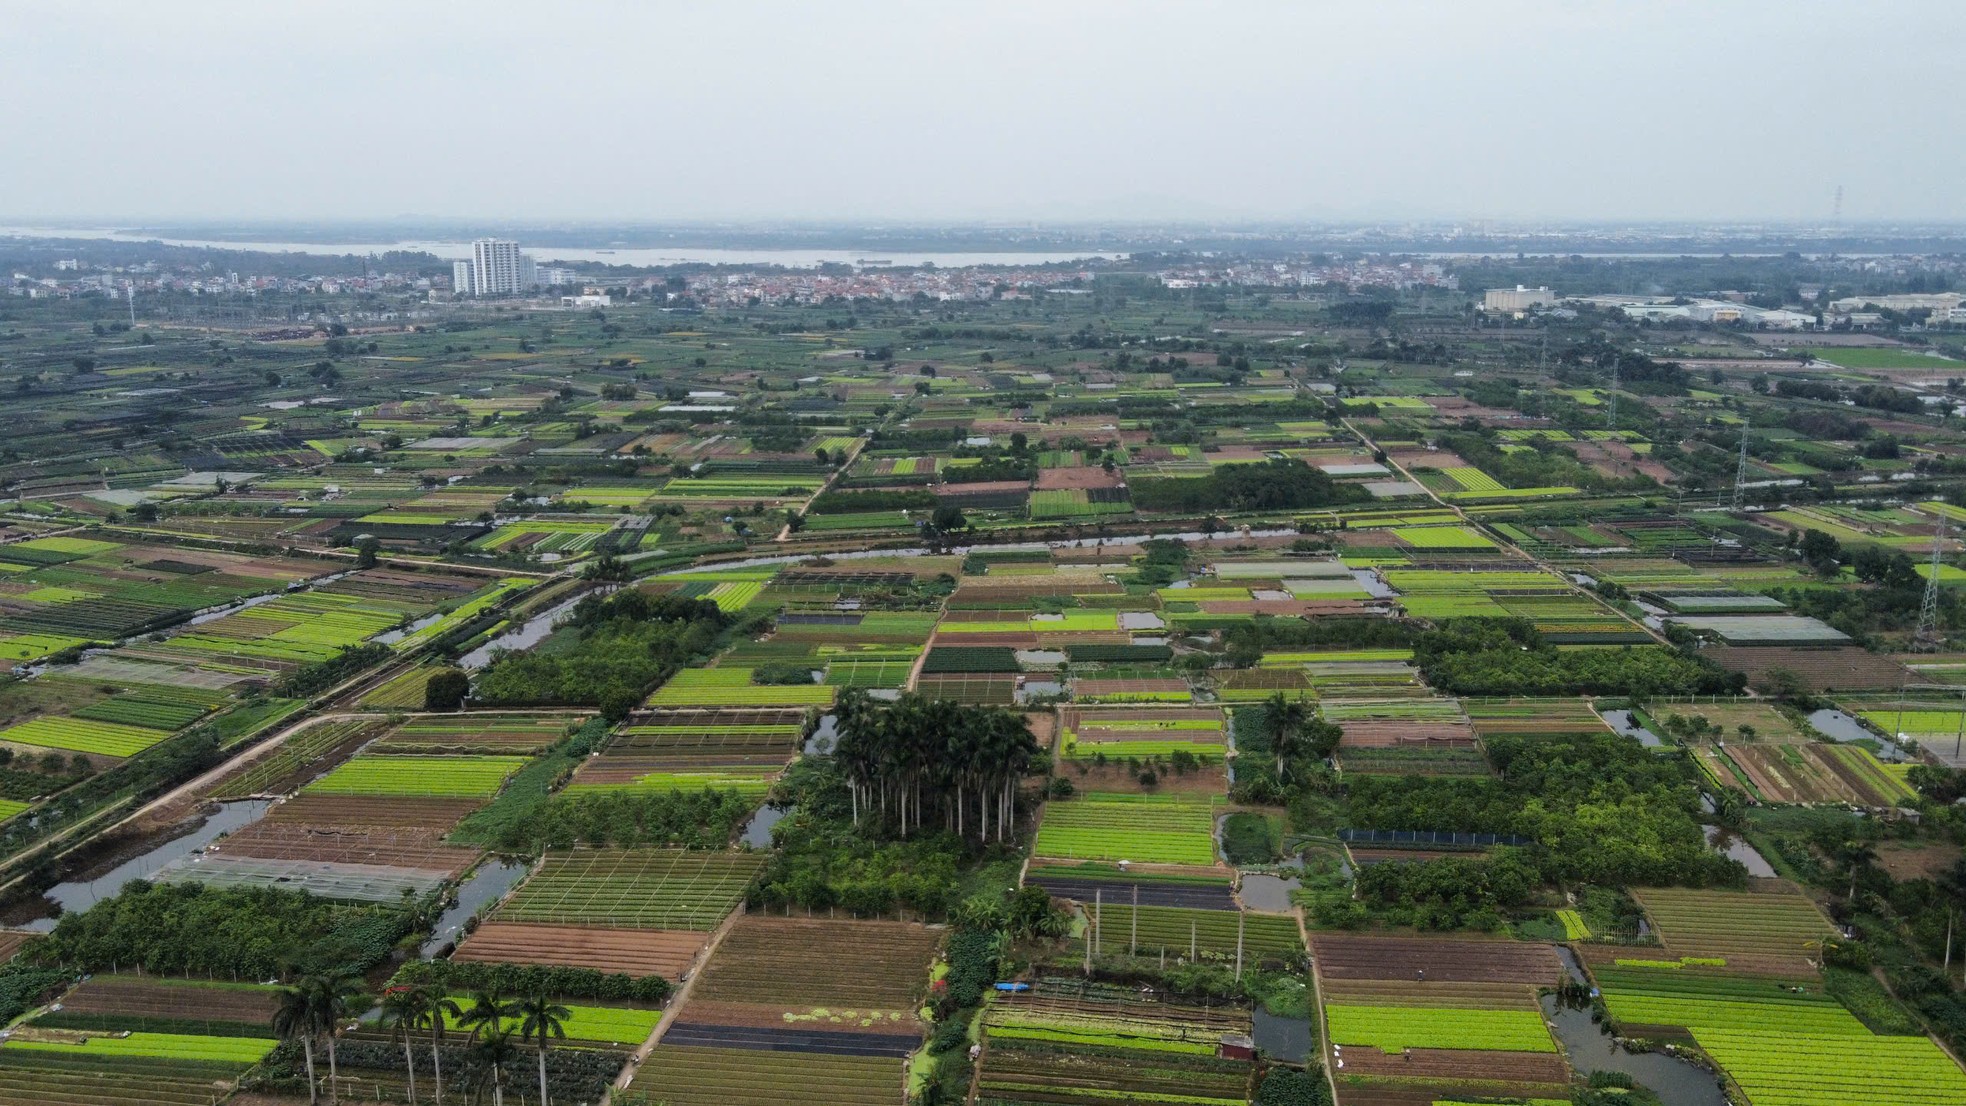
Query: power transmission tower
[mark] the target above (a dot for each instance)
(1926, 639)
(1741, 471)
(1612, 417)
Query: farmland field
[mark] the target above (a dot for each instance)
(437, 777)
(633, 888)
(1144, 829)
(696, 1076)
(1396, 1028)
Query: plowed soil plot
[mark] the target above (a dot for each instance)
(1458, 1064)
(486, 733)
(389, 846)
(1392, 734)
(1445, 961)
(1197, 896)
(1414, 992)
(1783, 926)
(684, 1076)
(637, 952)
(435, 817)
(1820, 669)
(1428, 1094)
(797, 962)
(171, 1000)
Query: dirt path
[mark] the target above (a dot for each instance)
(677, 1001)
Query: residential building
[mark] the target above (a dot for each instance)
(496, 268)
(1517, 300)
(553, 276)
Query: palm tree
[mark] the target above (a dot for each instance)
(442, 1008)
(405, 1011)
(1858, 855)
(334, 995)
(485, 1018)
(493, 1049)
(1285, 719)
(540, 1018)
(294, 1020)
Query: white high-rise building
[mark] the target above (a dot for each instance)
(495, 268)
(461, 282)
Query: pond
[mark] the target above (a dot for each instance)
(1268, 893)
(1038, 689)
(1676, 1081)
(80, 895)
(823, 738)
(1838, 726)
(757, 831)
(1733, 848)
(1279, 1038)
(1374, 586)
(486, 885)
(1622, 721)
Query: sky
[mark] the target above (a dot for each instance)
(1013, 110)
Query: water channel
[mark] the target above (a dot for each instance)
(1677, 1082)
(79, 895)
(528, 634)
(486, 885)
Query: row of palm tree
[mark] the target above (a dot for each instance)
(313, 1009)
(916, 758)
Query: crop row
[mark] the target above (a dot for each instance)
(438, 777)
(695, 1076)
(1782, 1069)
(1397, 1028)
(1180, 930)
(82, 735)
(640, 888)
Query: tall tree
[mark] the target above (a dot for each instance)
(442, 1009)
(405, 1013)
(334, 995)
(1285, 720)
(294, 1020)
(540, 1020)
(493, 1050)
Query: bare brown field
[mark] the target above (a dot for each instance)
(1444, 960)
(638, 952)
(792, 963)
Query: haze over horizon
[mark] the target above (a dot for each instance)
(1512, 111)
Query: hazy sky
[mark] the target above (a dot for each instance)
(1059, 110)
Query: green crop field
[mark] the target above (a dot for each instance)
(1396, 1028)
(164, 1046)
(436, 777)
(1178, 929)
(82, 735)
(1782, 1069)
(1141, 828)
(634, 888)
